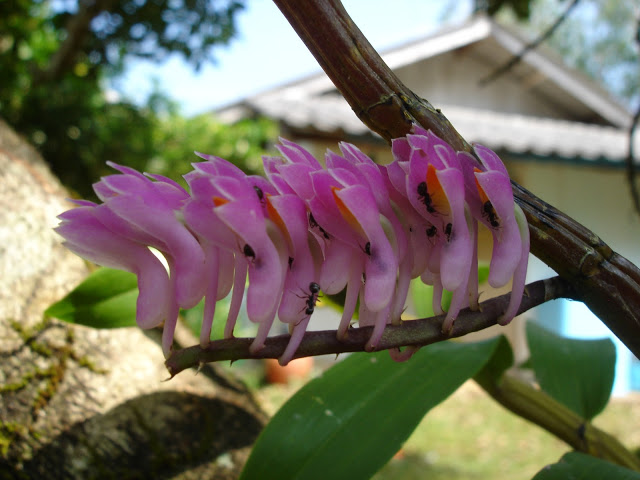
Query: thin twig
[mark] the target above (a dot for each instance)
(504, 68)
(410, 333)
(630, 162)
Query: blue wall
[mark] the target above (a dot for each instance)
(575, 320)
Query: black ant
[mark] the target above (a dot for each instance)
(312, 298)
(248, 252)
(432, 231)
(259, 192)
(313, 224)
(490, 213)
(425, 198)
(367, 248)
(448, 231)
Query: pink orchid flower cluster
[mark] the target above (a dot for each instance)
(304, 229)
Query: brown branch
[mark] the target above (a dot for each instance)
(608, 283)
(501, 70)
(410, 333)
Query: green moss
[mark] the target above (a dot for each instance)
(28, 334)
(87, 363)
(8, 433)
(54, 375)
(41, 349)
(58, 358)
(14, 387)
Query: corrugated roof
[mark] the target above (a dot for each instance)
(499, 131)
(313, 104)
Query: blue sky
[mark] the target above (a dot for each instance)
(267, 52)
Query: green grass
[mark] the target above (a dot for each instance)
(469, 436)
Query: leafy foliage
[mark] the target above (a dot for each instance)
(521, 8)
(578, 466)
(349, 422)
(242, 143)
(152, 29)
(559, 364)
(53, 61)
(105, 299)
(598, 38)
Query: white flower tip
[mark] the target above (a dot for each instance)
(447, 325)
(256, 345)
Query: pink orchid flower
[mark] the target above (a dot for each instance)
(304, 230)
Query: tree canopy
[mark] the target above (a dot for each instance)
(55, 56)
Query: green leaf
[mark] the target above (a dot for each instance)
(577, 373)
(502, 359)
(579, 466)
(193, 318)
(349, 422)
(483, 274)
(422, 294)
(105, 299)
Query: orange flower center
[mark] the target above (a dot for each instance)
(435, 193)
(217, 201)
(483, 195)
(345, 212)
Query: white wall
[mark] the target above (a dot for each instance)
(599, 199)
(452, 79)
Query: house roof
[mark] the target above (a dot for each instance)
(313, 104)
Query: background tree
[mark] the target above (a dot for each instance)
(54, 60)
(598, 38)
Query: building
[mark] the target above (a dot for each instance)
(561, 135)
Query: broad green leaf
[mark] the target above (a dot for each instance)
(579, 466)
(502, 359)
(193, 318)
(483, 274)
(105, 299)
(577, 373)
(349, 422)
(422, 295)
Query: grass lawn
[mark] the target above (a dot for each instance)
(469, 436)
